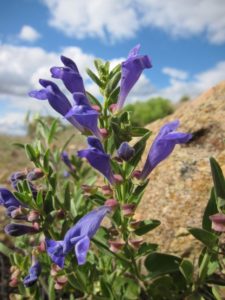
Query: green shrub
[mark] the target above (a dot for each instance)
(149, 111)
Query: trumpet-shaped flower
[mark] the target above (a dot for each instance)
(163, 145)
(56, 99)
(70, 75)
(84, 114)
(34, 272)
(77, 237)
(97, 158)
(132, 69)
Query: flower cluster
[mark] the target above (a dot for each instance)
(75, 219)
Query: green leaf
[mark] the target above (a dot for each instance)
(138, 131)
(51, 289)
(46, 161)
(187, 269)
(218, 178)
(146, 248)
(139, 148)
(206, 237)
(210, 209)
(112, 84)
(146, 226)
(95, 78)
(67, 197)
(52, 131)
(106, 290)
(93, 100)
(159, 263)
(39, 200)
(30, 152)
(5, 250)
(99, 65)
(138, 193)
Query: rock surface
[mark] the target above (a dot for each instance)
(179, 187)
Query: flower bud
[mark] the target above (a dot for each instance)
(62, 279)
(35, 174)
(111, 203)
(14, 282)
(113, 107)
(128, 209)
(118, 178)
(33, 216)
(19, 229)
(36, 226)
(89, 189)
(134, 225)
(54, 270)
(136, 174)
(106, 190)
(41, 247)
(116, 245)
(135, 243)
(218, 222)
(125, 151)
(15, 274)
(58, 286)
(104, 132)
(96, 107)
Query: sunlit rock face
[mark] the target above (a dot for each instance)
(179, 187)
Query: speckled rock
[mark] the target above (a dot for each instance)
(179, 187)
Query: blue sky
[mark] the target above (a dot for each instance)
(185, 40)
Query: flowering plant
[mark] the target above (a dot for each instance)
(78, 237)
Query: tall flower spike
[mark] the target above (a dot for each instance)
(131, 71)
(34, 272)
(97, 158)
(80, 234)
(69, 75)
(163, 145)
(84, 114)
(56, 99)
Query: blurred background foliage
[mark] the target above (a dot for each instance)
(143, 113)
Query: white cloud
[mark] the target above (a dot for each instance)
(175, 73)
(28, 34)
(21, 67)
(122, 19)
(12, 123)
(199, 83)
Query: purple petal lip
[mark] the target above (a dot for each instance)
(132, 69)
(32, 277)
(163, 145)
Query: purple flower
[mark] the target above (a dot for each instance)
(19, 229)
(77, 237)
(9, 202)
(34, 272)
(97, 158)
(56, 99)
(84, 114)
(16, 177)
(125, 151)
(218, 222)
(163, 145)
(80, 234)
(55, 251)
(131, 71)
(69, 75)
